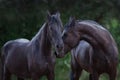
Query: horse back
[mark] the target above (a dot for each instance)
(13, 44)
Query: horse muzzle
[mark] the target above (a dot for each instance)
(59, 54)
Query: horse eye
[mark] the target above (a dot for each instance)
(65, 35)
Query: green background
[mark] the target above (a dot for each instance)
(23, 19)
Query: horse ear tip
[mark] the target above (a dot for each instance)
(57, 11)
(72, 18)
(48, 12)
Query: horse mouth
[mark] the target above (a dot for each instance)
(59, 50)
(59, 54)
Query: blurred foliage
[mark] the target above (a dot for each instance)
(23, 18)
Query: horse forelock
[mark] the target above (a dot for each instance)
(56, 19)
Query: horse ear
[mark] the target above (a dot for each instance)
(72, 21)
(58, 14)
(48, 15)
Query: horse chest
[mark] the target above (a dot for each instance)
(40, 65)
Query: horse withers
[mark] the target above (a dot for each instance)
(98, 52)
(34, 58)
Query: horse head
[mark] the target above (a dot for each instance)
(55, 30)
(70, 36)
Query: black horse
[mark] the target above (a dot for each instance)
(98, 55)
(33, 59)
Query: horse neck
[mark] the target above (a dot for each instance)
(100, 39)
(41, 41)
(95, 36)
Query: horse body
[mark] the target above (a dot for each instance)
(101, 41)
(33, 59)
(24, 58)
(84, 57)
(97, 57)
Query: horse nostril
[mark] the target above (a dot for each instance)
(59, 47)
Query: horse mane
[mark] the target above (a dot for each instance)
(37, 36)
